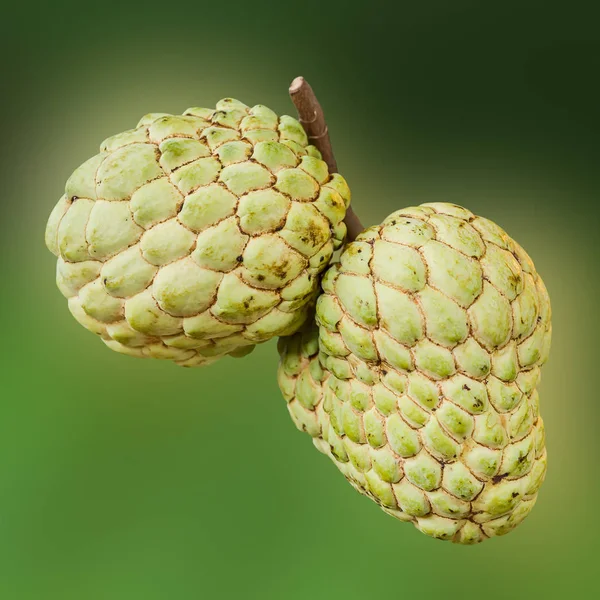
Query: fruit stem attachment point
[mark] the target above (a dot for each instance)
(310, 115)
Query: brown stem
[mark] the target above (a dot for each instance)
(310, 114)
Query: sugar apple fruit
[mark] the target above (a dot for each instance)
(197, 235)
(419, 381)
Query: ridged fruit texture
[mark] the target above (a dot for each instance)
(194, 236)
(420, 382)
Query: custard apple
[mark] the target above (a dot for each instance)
(419, 378)
(197, 235)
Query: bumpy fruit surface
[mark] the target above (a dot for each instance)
(197, 235)
(420, 380)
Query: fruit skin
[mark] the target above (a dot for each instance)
(419, 378)
(197, 235)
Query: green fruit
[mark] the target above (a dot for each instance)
(197, 235)
(419, 378)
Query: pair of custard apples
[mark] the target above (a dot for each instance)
(411, 358)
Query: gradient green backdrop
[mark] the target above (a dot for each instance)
(123, 479)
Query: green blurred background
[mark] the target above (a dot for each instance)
(123, 479)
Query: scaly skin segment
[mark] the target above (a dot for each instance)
(419, 378)
(198, 235)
